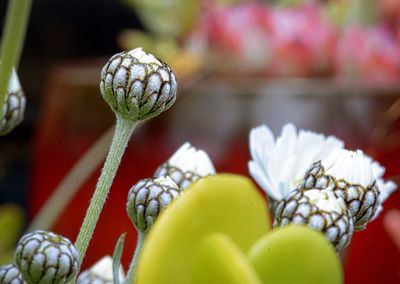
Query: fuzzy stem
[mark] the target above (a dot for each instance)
(12, 41)
(123, 132)
(135, 259)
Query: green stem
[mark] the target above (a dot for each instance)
(123, 132)
(12, 41)
(135, 258)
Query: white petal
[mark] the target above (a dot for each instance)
(279, 165)
(353, 167)
(103, 269)
(189, 159)
(144, 57)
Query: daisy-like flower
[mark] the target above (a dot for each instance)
(187, 165)
(321, 210)
(278, 165)
(100, 273)
(350, 175)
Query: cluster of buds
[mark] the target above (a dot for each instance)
(13, 107)
(148, 197)
(340, 193)
(337, 196)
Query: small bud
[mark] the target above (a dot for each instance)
(186, 166)
(148, 198)
(13, 107)
(320, 210)
(349, 175)
(9, 274)
(100, 273)
(44, 257)
(138, 86)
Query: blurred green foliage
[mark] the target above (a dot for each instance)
(11, 224)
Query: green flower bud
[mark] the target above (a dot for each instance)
(14, 106)
(148, 198)
(138, 86)
(44, 257)
(9, 274)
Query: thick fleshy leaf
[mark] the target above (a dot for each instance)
(221, 261)
(227, 204)
(296, 254)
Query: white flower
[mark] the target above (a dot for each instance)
(279, 165)
(186, 165)
(100, 272)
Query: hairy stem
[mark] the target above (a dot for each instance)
(12, 41)
(123, 132)
(135, 259)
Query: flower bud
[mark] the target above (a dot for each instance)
(9, 274)
(186, 166)
(44, 257)
(100, 273)
(349, 175)
(148, 198)
(320, 210)
(13, 107)
(138, 86)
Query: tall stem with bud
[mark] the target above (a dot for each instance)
(137, 86)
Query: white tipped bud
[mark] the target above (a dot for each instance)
(319, 209)
(138, 86)
(13, 107)
(349, 175)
